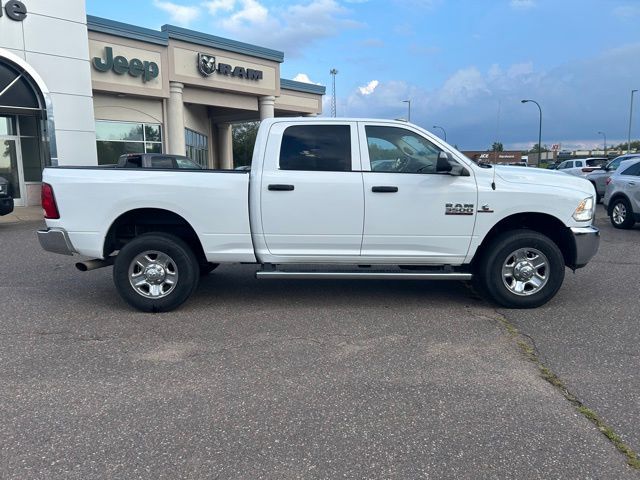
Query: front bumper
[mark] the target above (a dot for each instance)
(56, 240)
(587, 241)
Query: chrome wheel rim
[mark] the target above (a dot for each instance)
(525, 271)
(153, 274)
(619, 213)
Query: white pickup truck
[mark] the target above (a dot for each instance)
(327, 198)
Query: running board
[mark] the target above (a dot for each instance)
(366, 275)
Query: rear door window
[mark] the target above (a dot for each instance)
(162, 162)
(324, 148)
(632, 170)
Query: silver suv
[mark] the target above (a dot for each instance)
(622, 195)
(599, 177)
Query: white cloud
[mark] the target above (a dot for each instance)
(522, 4)
(369, 88)
(627, 12)
(304, 78)
(181, 14)
(251, 12)
(214, 6)
(285, 27)
(462, 86)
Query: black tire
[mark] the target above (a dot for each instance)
(207, 267)
(621, 214)
(499, 254)
(182, 266)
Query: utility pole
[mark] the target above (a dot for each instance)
(333, 73)
(605, 142)
(630, 118)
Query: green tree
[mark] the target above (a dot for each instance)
(635, 145)
(534, 149)
(497, 147)
(244, 138)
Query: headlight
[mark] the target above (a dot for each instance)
(585, 210)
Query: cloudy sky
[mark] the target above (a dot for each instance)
(464, 64)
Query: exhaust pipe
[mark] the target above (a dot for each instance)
(94, 264)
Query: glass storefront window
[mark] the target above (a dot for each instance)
(118, 138)
(197, 147)
(152, 133)
(7, 126)
(31, 159)
(119, 131)
(28, 126)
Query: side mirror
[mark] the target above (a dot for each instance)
(443, 165)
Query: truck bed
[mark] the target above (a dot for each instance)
(213, 202)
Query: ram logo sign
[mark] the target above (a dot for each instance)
(207, 67)
(206, 64)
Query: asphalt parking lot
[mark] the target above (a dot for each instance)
(315, 379)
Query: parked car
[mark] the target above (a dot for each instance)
(622, 195)
(317, 194)
(599, 177)
(582, 166)
(6, 200)
(156, 160)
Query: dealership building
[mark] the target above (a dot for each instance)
(82, 90)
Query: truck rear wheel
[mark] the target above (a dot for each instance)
(521, 269)
(156, 272)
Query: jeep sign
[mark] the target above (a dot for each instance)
(15, 10)
(120, 65)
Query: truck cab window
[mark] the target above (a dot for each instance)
(393, 149)
(316, 148)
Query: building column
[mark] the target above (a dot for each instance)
(225, 146)
(267, 106)
(175, 120)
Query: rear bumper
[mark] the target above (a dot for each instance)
(56, 240)
(587, 241)
(6, 205)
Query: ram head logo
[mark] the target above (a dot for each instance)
(206, 64)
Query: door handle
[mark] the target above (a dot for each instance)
(632, 184)
(384, 189)
(280, 188)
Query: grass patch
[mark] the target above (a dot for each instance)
(546, 373)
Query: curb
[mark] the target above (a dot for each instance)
(23, 214)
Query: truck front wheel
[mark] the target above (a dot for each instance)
(156, 272)
(521, 269)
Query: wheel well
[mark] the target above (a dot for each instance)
(547, 225)
(613, 199)
(144, 220)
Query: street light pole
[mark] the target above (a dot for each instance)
(443, 131)
(630, 117)
(605, 142)
(539, 129)
(409, 113)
